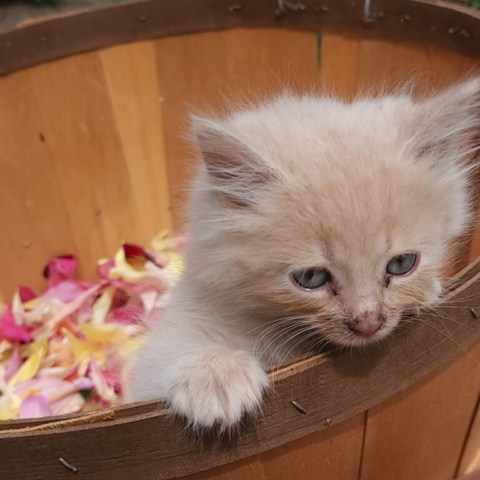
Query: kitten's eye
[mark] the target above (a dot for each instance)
(401, 264)
(311, 278)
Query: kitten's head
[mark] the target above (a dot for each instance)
(338, 214)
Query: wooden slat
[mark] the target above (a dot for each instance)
(203, 73)
(419, 434)
(332, 454)
(132, 84)
(83, 152)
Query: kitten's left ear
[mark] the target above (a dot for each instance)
(235, 169)
(446, 129)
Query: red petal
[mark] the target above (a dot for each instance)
(26, 294)
(133, 251)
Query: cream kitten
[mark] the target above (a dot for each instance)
(309, 217)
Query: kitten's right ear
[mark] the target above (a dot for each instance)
(235, 169)
(447, 126)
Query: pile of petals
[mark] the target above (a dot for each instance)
(68, 350)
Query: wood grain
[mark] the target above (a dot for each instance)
(420, 433)
(206, 73)
(332, 454)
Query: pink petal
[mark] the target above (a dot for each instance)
(26, 294)
(14, 364)
(10, 330)
(101, 386)
(67, 291)
(83, 383)
(60, 269)
(103, 270)
(52, 388)
(35, 406)
(74, 305)
(125, 315)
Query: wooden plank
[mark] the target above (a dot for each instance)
(332, 454)
(35, 221)
(90, 128)
(420, 433)
(333, 387)
(132, 84)
(204, 73)
(83, 142)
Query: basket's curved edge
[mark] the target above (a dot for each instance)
(144, 440)
(436, 22)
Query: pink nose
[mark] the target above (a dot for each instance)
(367, 324)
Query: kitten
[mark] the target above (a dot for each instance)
(309, 216)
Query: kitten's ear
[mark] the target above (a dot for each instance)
(446, 130)
(235, 169)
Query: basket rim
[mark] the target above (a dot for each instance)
(437, 22)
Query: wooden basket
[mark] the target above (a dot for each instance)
(92, 108)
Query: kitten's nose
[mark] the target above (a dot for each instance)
(366, 324)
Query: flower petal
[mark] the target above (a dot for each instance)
(67, 291)
(30, 367)
(60, 269)
(70, 404)
(102, 305)
(35, 406)
(104, 391)
(26, 294)
(14, 364)
(9, 330)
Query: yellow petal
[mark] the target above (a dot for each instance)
(83, 367)
(28, 370)
(9, 406)
(103, 333)
(123, 270)
(102, 306)
(158, 243)
(80, 349)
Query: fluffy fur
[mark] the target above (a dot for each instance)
(301, 182)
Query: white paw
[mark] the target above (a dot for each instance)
(217, 388)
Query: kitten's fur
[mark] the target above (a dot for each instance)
(301, 182)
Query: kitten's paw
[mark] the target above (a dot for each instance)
(217, 388)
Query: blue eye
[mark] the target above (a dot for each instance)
(311, 278)
(401, 264)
